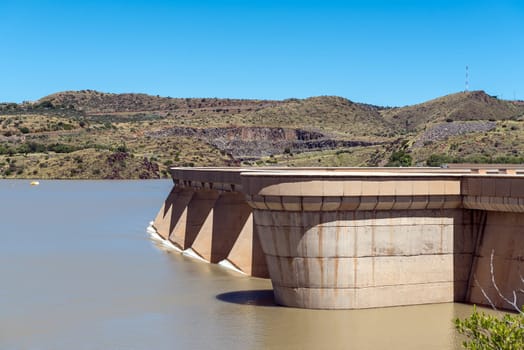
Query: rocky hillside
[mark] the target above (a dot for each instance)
(333, 114)
(254, 142)
(89, 134)
(94, 102)
(474, 105)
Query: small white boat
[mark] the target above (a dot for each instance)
(35, 183)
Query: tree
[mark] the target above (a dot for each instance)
(46, 104)
(486, 332)
(438, 159)
(491, 332)
(399, 158)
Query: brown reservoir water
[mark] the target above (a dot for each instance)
(78, 271)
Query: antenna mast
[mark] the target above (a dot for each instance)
(467, 79)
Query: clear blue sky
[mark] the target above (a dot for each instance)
(385, 52)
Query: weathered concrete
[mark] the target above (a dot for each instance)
(360, 254)
(172, 217)
(355, 238)
(499, 203)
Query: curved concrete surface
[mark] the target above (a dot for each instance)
(354, 237)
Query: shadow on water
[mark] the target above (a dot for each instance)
(261, 297)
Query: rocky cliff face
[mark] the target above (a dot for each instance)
(248, 143)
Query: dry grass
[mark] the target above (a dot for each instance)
(506, 140)
(349, 157)
(94, 130)
(474, 105)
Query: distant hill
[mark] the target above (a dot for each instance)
(91, 134)
(94, 102)
(330, 113)
(463, 106)
(335, 114)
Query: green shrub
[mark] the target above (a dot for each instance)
(509, 160)
(122, 148)
(46, 104)
(490, 332)
(399, 158)
(61, 148)
(31, 147)
(438, 159)
(4, 149)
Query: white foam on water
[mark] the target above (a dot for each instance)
(151, 228)
(228, 265)
(164, 242)
(169, 245)
(154, 234)
(192, 254)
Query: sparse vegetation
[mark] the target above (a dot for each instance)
(79, 134)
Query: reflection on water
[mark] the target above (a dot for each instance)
(78, 271)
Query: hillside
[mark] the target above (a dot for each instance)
(463, 106)
(94, 102)
(90, 134)
(329, 113)
(334, 114)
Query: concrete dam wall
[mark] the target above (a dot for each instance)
(355, 238)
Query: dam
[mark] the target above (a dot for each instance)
(353, 238)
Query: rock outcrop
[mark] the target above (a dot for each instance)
(248, 143)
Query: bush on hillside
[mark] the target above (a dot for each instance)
(438, 159)
(399, 159)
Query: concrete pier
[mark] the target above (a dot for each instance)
(354, 237)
